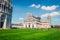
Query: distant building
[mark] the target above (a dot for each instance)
(35, 22)
(5, 13)
(17, 25)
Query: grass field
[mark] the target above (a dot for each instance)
(30, 34)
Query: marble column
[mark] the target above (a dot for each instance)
(5, 23)
(35, 26)
(0, 19)
(27, 25)
(31, 26)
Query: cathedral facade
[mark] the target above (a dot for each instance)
(36, 22)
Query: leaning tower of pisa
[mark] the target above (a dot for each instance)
(5, 13)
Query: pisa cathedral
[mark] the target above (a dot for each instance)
(36, 22)
(5, 13)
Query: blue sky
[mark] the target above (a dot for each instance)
(36, 7)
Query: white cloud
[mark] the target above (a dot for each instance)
(32, 5)
(45, 15)
(52, 14)
(55, 14)
(49, 7)
(21, 18)
(35, 6)
(53, 7)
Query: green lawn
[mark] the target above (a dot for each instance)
(29, 34)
